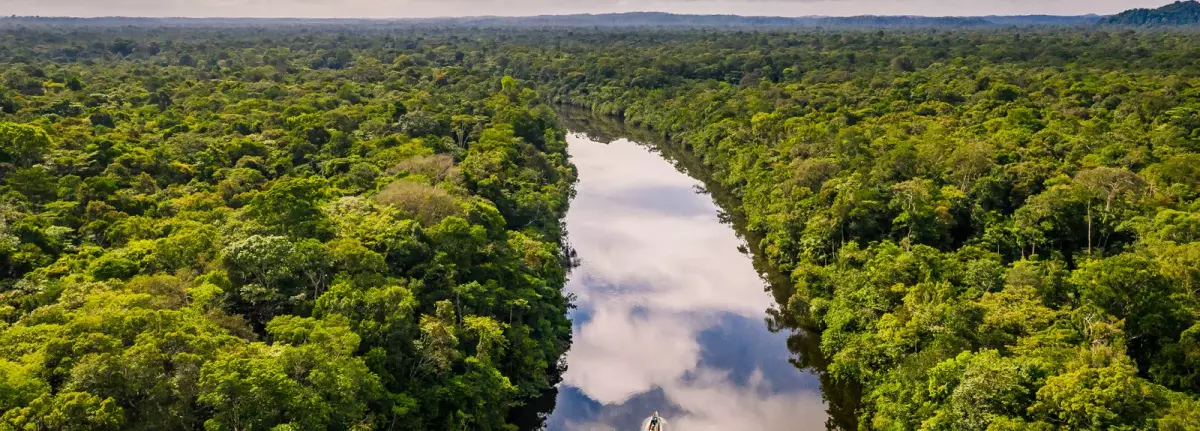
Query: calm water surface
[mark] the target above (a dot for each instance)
(670, 313)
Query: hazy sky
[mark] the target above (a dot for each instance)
(430, 8)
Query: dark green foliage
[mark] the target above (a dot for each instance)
(197, 231)
(987, 232)
(359, 227)
(1178, 13)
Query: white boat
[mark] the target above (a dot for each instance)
(663, 425)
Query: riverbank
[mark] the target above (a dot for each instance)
(801, 341)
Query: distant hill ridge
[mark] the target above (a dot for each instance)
(612, 20)
(663, 19)
(1180, 13)
(1174, 14)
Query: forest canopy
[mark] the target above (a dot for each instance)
(244, 233)
(1175, 14)
(989, 229)
(341, 227)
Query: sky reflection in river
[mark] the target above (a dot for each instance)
(670, 313)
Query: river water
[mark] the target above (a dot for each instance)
(671, 313)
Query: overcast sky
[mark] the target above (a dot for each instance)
(431, 8)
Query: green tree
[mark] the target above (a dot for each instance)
(22, 145)
(291, 207)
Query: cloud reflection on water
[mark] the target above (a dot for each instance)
(667, 308)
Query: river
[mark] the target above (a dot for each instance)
(672, 314)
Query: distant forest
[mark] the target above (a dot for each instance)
(1180, 13)
(613, 20)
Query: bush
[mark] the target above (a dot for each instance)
(436, 167)
(109, 267)
(427, 203)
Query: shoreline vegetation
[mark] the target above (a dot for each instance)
(841, 396)
(987, 227)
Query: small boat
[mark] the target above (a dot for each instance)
(661, 425)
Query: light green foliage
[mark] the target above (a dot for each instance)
(227, 234)
(18, 385)
(490, 335)
(1106, 397)
(113, 266)
(67, 410)
(22, 145)
(265, 262)
(1184, 414)
(990, 229)
(438, 338)
(968, 218)
(308, 378)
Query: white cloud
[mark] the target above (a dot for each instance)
(616, 355)
(690, 260)
(658, 269)
(713, 404)
(651, 281)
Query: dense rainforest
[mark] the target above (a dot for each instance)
(253, 232)
(991, 230)
(332, 227)
(1175, 14)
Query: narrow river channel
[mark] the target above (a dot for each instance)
(671, 312)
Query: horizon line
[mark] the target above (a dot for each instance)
(452, 17)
